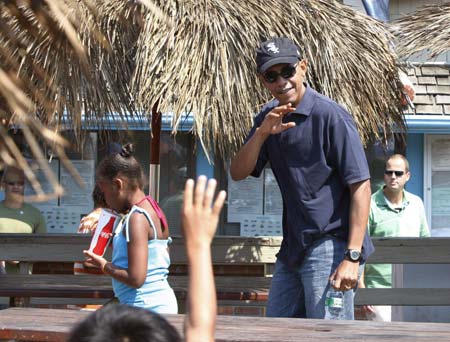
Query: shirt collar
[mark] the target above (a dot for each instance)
(307, 102)
(380, 200)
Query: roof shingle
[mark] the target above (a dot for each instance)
(432, 85)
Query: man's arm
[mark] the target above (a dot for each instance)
(359, 213)
(200, 217)
(243, 163)
(346, 274)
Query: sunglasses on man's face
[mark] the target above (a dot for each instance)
(286, 72)
(392, 172)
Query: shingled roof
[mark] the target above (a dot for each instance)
(432, 84)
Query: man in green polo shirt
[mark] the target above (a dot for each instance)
(15, 215)
(394, 212)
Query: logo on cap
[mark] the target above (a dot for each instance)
(273, 48)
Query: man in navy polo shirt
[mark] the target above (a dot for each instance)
(317, 157)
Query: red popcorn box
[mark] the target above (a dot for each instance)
(102, 237)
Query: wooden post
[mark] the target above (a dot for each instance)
(155, 136)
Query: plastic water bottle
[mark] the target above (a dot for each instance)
(334, 304)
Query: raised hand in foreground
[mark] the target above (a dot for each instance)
(200, 216)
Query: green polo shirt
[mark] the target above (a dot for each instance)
(25, 220)
(386, 221)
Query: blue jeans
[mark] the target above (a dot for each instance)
(300, 292)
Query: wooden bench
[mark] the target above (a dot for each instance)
(228, 255)
(227, 252)
(30, 324)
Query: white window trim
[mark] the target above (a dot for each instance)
(427, 172)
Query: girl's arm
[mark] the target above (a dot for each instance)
(136, 273)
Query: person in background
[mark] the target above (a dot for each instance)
(87, 226)
(117, 323)
(16, 216)
(394, 212)
(171, 205)
(140, 260)
(316, 155)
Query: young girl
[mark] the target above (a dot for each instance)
(199, 216)
(140, 259)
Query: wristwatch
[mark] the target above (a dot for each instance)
(353, 255)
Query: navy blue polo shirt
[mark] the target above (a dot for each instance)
(314, 163)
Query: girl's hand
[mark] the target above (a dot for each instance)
(95, 260)
(199, 218)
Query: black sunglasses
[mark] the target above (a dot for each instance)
(287, 72)
(391, 173)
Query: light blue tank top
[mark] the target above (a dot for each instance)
(155, 294)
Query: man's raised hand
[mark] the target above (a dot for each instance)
(273, 122)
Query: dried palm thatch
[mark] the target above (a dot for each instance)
(204, 63)
(27, 88)
(56, 66)
(426, 29)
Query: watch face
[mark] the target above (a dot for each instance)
(354, 255)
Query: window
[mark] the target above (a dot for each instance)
(437, 183)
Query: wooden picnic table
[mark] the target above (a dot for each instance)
(30, 324)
